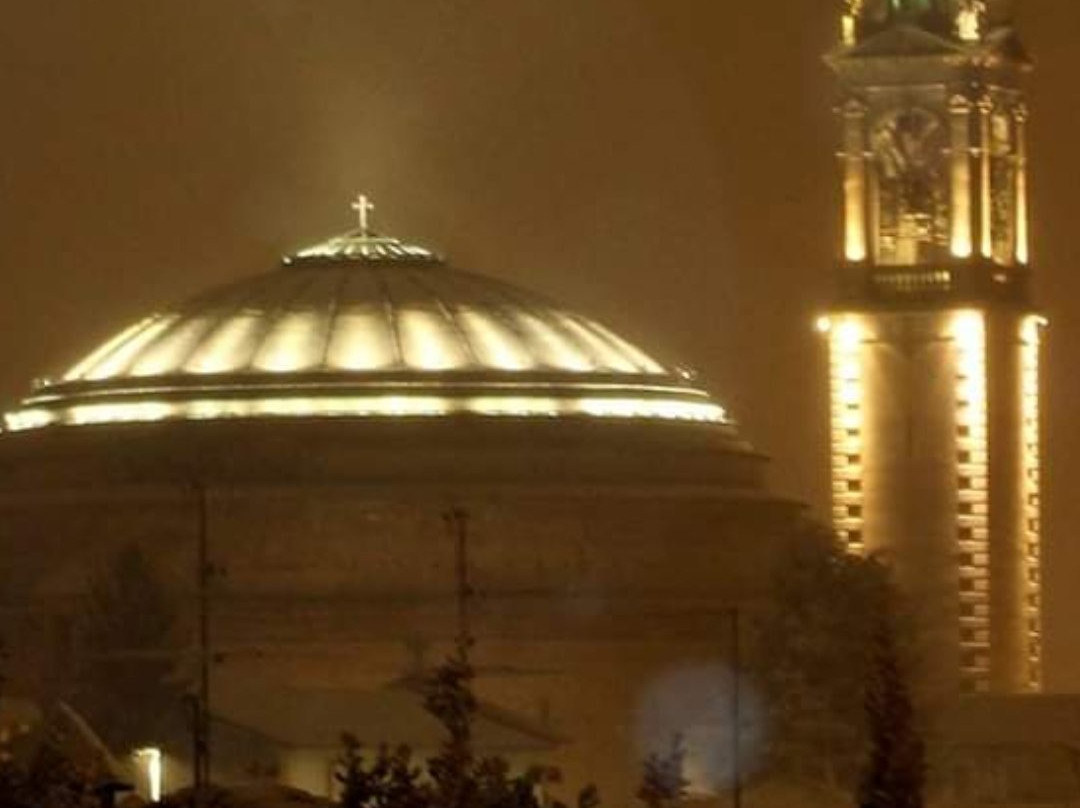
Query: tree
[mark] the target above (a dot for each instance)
(126, 681)
(455, 777)
(663, 781)
(47, 779)
(392, 781)
(895, 771)
(816, 658)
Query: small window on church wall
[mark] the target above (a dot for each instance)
(912, 205)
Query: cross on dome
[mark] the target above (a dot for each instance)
(364, 207)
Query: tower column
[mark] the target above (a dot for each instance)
(934, 343)
(854, 156)
(961, 244)
(1021, 207)
(985, 202)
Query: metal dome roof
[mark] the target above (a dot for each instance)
(363, 326)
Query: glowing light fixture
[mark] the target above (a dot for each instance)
(379, 406)
(847, 29)
(969, 21)
(151, 761)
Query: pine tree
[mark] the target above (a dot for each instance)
(818, 656)
(894, 775)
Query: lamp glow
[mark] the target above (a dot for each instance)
(152, 762)
(371, 406)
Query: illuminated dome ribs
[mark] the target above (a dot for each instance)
(345, 331)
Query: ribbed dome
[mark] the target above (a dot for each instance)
(363, 316)
(363, 325)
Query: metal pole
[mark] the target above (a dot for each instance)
(457, 521)
(736, 752)
(202, 706)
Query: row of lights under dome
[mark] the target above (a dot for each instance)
(361, 339)
(369, 406)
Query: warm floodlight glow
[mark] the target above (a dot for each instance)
(23, 420)
(151, 761)
(428, 341)
(404, 405)
(855, 183)
(84, 367)
(118, 359)
(968, 331)
(1031, 454)
(228, 348)
(846, 394)
(644, 362)
(554, 348)
(646, 408)
(1023, 248)
(364, 325)
(172, 349)
(961, 243)
(969, 22)
(823, 325)
(847, 29)
(986, 204)
(294, 343)
(139, 412)
(493, 342)
(604, 354)
(361, 341)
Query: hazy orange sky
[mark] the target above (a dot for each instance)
(664, 165)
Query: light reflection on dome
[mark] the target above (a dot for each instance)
(364, 327)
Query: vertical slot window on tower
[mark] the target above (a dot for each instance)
(968, 333)
(846, 338)
(1030, 339)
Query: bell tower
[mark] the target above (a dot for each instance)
(933, 338)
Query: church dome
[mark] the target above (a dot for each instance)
(364, 326)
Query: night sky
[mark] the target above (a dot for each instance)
(666, 166)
